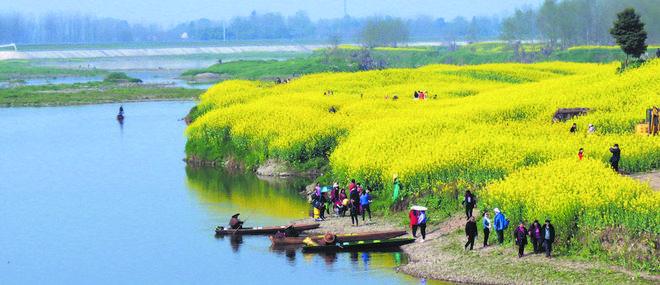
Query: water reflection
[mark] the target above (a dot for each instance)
(235, 241)
(225, 194)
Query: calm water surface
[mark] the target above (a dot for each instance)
(84, 200)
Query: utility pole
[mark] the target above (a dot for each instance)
(224, 31)
(345, 10)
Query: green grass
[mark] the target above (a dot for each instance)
(23, 69)
(90, 93)
(347, 58)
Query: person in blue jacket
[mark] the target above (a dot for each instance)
(501, 223)
(365, 200)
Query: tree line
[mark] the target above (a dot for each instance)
(76, 28)
(577, 22)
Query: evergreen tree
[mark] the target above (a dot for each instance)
(628, 31)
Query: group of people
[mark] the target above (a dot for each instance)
(615, 150)
(614, 159)
(590, 129)
(421, 95)
(541, 236)
(357, 201)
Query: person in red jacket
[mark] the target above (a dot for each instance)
(413, 222)
(581, 153)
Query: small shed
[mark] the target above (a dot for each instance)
(564, 114)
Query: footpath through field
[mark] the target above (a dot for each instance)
(442, 257)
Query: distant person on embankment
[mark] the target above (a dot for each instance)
(616, 156)
(501, 223)
(235, 223)
(470, 232)
(397, 188)
(548, 233)
(469, 200)
(520, 235)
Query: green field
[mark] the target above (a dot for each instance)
(348, 58)
(90, 93)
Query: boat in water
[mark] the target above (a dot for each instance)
(220, 230)
(372, 245)
(364, 236)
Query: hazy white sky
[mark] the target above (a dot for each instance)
(173, 11)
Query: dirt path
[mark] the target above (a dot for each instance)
(652, 178)
(442, 257)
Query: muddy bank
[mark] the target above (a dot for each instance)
(270, 169)
(442, 257)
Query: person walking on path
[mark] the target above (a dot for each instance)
(418, 219)
(365, 200)
(548, 232)
(354, 200)
(616, 156)
(487, 227)
(469, 201)
(470, 232)
(520, 235)
(501, 223)
(535, 236)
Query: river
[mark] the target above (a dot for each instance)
(84, 200)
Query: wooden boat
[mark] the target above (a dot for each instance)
(340, 237)
(372, 245)
(263, 230)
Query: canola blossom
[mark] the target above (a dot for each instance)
(483, 124)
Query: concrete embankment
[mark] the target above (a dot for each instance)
(101, 53)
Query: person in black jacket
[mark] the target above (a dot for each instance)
(573, 128)
(548, 235)
(520, 234)
(470, 232)
(469, 201)
(616, 156)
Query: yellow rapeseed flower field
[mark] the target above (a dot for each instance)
(479, 124)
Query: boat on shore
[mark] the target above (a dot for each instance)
(220, 230)
(372, 245)
(364, 236)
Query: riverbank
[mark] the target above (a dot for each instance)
(349, 58)
(442, 257)
(92, 93)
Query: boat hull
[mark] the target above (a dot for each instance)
(263, 230)
(340, 237)
(374, 245)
